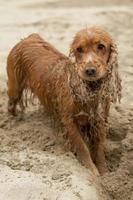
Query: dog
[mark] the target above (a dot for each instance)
(77, 89)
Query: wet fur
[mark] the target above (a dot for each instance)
(82, 108)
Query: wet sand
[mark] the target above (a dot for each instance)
(33, 161)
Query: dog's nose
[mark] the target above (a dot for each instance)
(91, 71)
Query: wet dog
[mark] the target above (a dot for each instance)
(78, 90)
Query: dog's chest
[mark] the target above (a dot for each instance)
(87, 112)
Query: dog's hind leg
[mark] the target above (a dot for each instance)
(15, 90)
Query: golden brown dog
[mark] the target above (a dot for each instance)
(77, 89)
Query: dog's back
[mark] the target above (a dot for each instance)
(29, 63)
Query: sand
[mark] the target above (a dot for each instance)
(33, 161)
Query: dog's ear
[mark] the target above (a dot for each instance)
(113, 70)
(72, 55)
(72, 52)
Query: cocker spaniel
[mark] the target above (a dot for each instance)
(77, 90)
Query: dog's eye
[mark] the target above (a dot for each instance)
(80, 50)
(100, 47)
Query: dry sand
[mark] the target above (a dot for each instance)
(33, 162)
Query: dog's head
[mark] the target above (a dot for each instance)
(94, 53)
(96, 59)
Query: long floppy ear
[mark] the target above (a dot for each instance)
(72, 52)
(115, 77)
(72, 56)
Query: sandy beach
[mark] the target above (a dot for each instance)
(33, 161)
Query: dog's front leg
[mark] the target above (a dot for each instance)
(98, 151)
(79, 147)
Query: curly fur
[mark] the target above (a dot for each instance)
(81, 107)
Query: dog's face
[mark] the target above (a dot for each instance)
(91, 49)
